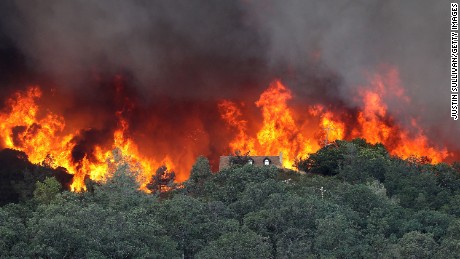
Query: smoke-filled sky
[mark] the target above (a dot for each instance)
(188, 51)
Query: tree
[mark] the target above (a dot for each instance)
(47, 190)
(13, 235)
(417, 245)
(325, 161)
(430, 221)
(162, 181)
(239, 244)
(336, 237)
(192, 223)
(328, 159)
(282, 212)
(255, 196)
(360, 198)
(78, 228)
(12, 165)
(363, 164)
(18, 176)
(230, 182)
(448, 249)
(295, 243)
(450, 244)
(200, 174)
(119, 192)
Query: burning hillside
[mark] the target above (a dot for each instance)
(294, 131)
(298, 132)
(87, 85)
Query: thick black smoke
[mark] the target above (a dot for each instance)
(186, 48)
(197, 52)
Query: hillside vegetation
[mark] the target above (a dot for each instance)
(354, 201)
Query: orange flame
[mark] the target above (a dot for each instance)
(377, 127)
(293, 131)
(42, 139)
(232, 115)
(279, 131)
(295, 138)
(334, 129)
(22, 130)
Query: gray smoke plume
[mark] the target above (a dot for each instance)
(358, 37)
(214, 49)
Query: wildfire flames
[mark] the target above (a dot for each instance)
(290, 131)
(279, 131)
(44, 141)
(293, 130)
(377, 126)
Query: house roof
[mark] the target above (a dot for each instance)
(224, 161)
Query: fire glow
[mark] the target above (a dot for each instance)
(295, 131)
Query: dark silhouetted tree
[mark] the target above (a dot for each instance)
(162, 181)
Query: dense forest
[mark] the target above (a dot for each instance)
(352, 200)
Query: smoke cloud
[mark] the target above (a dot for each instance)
(183, 56)
(355, 38)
